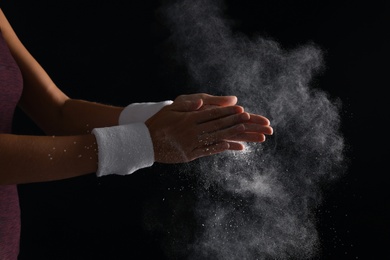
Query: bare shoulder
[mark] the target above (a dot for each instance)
(1, 18)
(5, 27)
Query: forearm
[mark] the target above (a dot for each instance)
(26, 159)
(80, 117)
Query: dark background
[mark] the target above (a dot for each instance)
(115, 52)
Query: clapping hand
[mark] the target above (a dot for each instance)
(200, 125)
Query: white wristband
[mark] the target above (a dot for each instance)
(123, 149)
(140, 112)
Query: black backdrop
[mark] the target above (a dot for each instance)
(114, 52)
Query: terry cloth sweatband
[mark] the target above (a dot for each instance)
(140, 112)
(123, 149)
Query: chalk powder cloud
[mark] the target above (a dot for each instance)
(259, 204)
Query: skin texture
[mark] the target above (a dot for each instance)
(193, 126)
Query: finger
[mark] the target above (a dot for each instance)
(224, 122)
(255, 128)
(234, 146)
(258, 119)
(218, 113)
(210, 99)
(253, 133)
(248, 138)
(219, 100)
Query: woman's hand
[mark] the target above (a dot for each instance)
(186, 130)
(255, 128)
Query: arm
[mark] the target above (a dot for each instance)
(27, 159)
(52, 110)
(176, 134)
(23, 159)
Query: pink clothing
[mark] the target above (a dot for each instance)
(11, 84)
